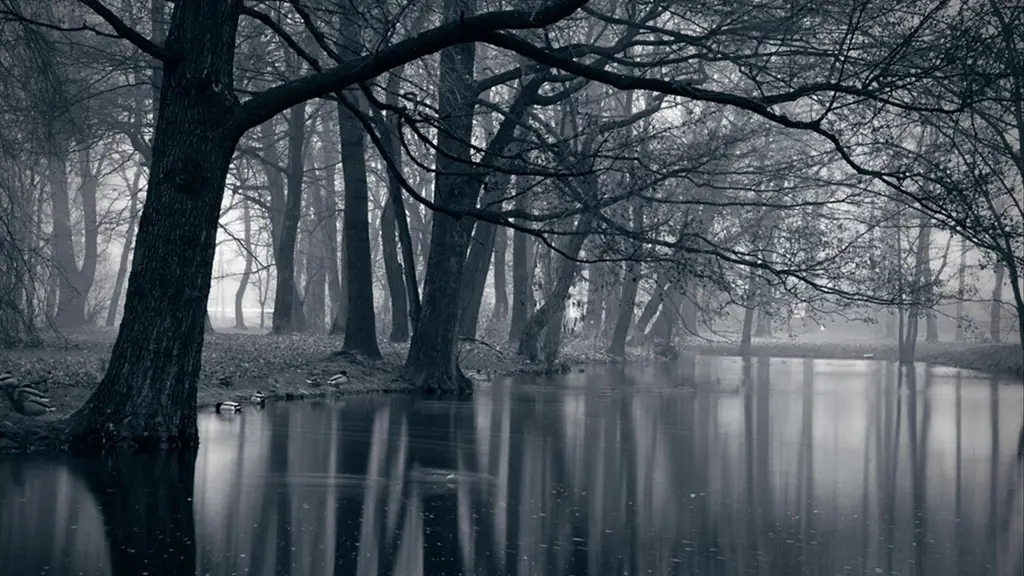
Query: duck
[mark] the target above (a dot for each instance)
(480, 376)
(312, 381)
(26, 400)
(258, 399)
(338, 379)
(221, 407)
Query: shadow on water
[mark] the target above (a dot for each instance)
(704, 466)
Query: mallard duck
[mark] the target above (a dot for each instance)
(258, 399)
(480, 376)
(338, 379)
(221, 407)
(28, 401)
(312, 381)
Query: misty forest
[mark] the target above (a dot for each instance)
(487, 282)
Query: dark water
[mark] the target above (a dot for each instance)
(705, 466)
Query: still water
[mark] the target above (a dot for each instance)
(704, 466)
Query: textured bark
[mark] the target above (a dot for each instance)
(126, 252)
(595, 308)
(522, 269)
(652, 305)
(961, 277)
(147, 398)
(288, 313)
(500, 276)
(75, 281)
(243, 282)
(432, 364)
(627, 305)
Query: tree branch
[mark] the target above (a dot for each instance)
(127, 32)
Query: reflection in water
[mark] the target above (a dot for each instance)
(707, 466)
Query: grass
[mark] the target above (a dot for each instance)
(1003, 359)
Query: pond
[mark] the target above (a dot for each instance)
(708, 465)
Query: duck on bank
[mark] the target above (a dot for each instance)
(26, 400)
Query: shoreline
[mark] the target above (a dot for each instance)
(997, 359)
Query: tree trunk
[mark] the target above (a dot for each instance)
(749, 309)
(330, 218)
(690, 311)
(500, 280)
(931, 322)
(627, 304)
(390, 138)
(75, 282)
(558, 291)
(147, 398)
(243, 283)
(652, 305)
(961, 276)
(361, 322)
(995, 314)
(594, 308)
(522, 269)
(393, 274)
(315, 311)
(126, 252)
(432, 364)
(611, 297)
(288, 313)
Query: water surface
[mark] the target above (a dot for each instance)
(704, 466)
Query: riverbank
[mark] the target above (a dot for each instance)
(1002, 359)
(236, 365)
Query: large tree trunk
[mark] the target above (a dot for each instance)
(243, 283)
(652, 305)
(126, 252)
(147, 397)
(432, 364)
(522, 269)
(288, 313)
(361, 322)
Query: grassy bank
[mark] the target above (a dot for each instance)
(1004, 359)
(235, 365)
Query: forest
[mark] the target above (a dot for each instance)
(429, 175)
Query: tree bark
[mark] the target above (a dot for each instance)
(522, 269)
(288, 313)
(331, 159)
(147, 398)
(393, 274)
(961, 276)
(595, 308)
(500, 280)
(653, 304)
(432, 364)
(126, 251)
(243, 283)
(315, 302)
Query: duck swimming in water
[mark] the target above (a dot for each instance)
(258, 399)
(26, 400)
(229, 407)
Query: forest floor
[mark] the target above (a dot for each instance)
(69, 369)
(1002, 359)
